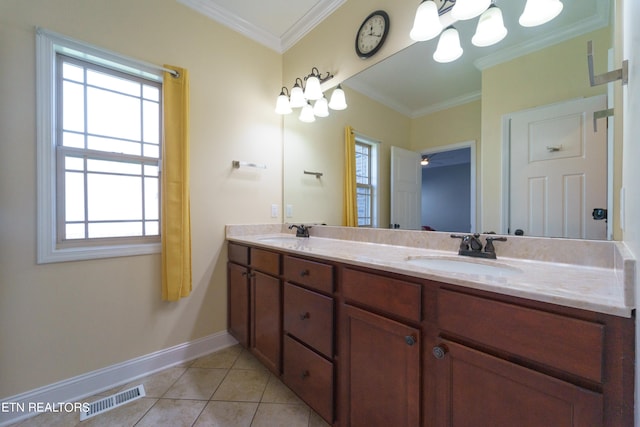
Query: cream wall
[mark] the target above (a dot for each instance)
(319, 146)
(558, 74)
(61, 320)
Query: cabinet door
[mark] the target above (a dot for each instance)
(238, 302)
(475, 389)
(266, 307)
(381, 371)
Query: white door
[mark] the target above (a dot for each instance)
(558, 171)
(406, 189)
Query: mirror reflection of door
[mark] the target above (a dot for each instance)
(558, 170)
(448, 190)
(439, 196)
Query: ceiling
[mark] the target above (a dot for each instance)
(414, 84)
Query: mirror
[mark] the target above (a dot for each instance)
(410, 101)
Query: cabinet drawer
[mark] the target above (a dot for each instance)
(571, 345)
(309, 273)
(383, 293)
(238, 253)
(310, 376)
(309, 317)
(265, 261)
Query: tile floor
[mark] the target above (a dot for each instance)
(226, 388)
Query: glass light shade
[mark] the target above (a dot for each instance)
(426, 24)
(468, 9)
(490, 28)
(282, 104)
(538, 12)
(321, 107)
(449, 48)
(297, 97)
(338, 100)
(312, 90)
(306, 114)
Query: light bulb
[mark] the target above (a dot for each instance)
(426, 24)
(468, 9)
(312, 90)
(282, 104)
(449, 48)
(321, 107)
(297, 97)
(538, 12)
(490, 28)
(306, 114)
(338, 100)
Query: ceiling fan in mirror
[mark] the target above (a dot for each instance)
(490, 28)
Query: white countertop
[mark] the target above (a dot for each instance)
(606, 289)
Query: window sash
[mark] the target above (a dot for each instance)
(364, 184)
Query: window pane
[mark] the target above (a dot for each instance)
(151, 150)
(152, 228)
(114, 83)
(115, 229)
(151, 122)
(113, 145)
(150, 170)
(73, 106)
(73, 163)
(112, 114)
(72, 72)
(74, 196)
(70, 139)
(108, 166)
(114, 197)
(74, 231)
(151, 92)
(151, 202)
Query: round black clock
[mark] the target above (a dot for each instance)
(372, 34)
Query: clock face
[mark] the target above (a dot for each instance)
(372, 34)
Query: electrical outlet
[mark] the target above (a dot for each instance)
(274, 211)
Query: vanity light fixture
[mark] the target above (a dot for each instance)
(449, 48)
(538, 12)
(426, 24)
(303, 94)
(469, 9)
(490, 28)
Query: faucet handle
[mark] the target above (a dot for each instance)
(489, 246)
(464, 244)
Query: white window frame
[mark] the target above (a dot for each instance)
(374, 172)
(48, 45)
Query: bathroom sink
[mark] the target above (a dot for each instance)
(281, 239)
(466, 266)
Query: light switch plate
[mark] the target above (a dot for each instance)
(274, 211)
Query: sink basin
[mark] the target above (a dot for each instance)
(466, 266)
(281, 239)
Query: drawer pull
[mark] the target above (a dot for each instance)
(305, 315)
(439, 352)
(410, 340)
(304, 273)
(305, 374)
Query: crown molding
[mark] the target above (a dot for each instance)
(592, 23)
(296, 32)
(449, 103)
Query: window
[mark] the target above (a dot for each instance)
(366, 182)
(99, 145)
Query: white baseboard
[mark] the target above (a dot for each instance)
(91, 383)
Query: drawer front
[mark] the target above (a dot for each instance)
(238, 253)
(265, 261)
(310, 376)
(309, 317)
(565, 343)
(312, 274)
(383, 293)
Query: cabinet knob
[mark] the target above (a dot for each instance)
(305, 273)
(410, 340)
(439, 351)
(305, 315)
(305, 374)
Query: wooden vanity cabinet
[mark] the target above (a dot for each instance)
(255, 302)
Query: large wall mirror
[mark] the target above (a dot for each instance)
(459, 116)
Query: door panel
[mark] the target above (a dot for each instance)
(406, 189)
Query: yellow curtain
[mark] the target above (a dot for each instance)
(176, 220)
(349, 206)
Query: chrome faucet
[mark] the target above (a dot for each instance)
(301, 230)
(471, 245)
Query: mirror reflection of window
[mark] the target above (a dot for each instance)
(366, 182)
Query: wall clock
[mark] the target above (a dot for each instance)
(372, 34)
